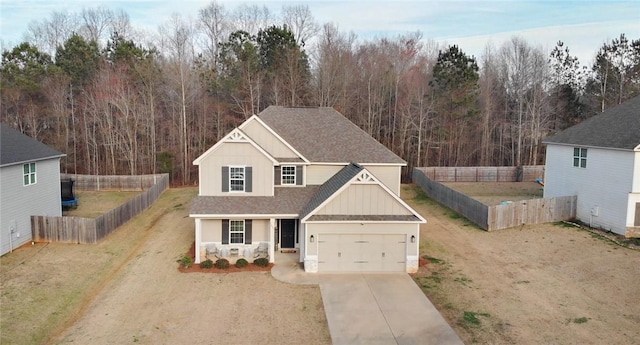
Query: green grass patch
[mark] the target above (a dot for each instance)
(454, 215)
(470, 318)
(429, 282)
(580, 320)
(434, 260)
(632, 241)
(418, 195)
(463, 280)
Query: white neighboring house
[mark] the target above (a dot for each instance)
(598, 160)
(305, 180)
(29, 185)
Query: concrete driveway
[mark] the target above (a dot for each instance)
(381, 309)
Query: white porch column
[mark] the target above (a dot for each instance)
(272, 240)
(198, 239)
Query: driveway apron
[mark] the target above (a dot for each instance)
(381, 309)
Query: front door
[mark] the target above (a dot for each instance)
(287, 233)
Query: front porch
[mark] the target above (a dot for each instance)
(245, 238)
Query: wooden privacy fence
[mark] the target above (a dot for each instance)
(534, 211)
(472, 209)
(484, 174)
(92, 230)
(113, 182)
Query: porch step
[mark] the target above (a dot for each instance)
(286, 251)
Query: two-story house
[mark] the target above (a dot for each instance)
(598, 160)
(306, 180)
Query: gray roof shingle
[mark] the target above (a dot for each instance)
(16, 148)
(322, 134)
(617, 128)
(286, 200)
(330, 187)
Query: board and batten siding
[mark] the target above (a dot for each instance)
(318, 174)
(20, 202)
(387, 174)
(267, 140)
(602, 188)
(236, 154)
(363, 199)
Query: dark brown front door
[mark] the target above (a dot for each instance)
(287, 233)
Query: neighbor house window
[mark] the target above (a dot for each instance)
(579, 157)
(288, 175)
(236, 179)
(29, 174)
(236, 231)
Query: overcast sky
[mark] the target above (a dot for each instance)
(582, 25)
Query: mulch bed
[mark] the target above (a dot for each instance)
(232, 269)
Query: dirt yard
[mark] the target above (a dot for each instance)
(128, 289)
(493, 193)
(545, 284)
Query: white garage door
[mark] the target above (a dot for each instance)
(361, 253)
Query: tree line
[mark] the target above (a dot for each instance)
(118, 100)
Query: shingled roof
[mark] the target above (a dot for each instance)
(16, 148)
(617, 128)
(322, 134)
(290, 200)
(331, 186)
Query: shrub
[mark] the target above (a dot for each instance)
(241, 263)
(206, 263)
(186, 261)
(262, 262)
(222, 264)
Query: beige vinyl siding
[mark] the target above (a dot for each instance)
(319, 174)
(267, 140)
(236, 154)
(364, 199)
(389, 175)
(212, 230)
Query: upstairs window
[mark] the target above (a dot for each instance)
(236, 179)
(579, 157)
(288, 175)
(29, 174)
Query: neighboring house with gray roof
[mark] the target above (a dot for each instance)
(29, 185)
(305, 180)
(598, 160)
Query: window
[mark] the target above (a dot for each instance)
(236, 179)
(236, 231)
(288, 175)
(579, 157)
(29, 174)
